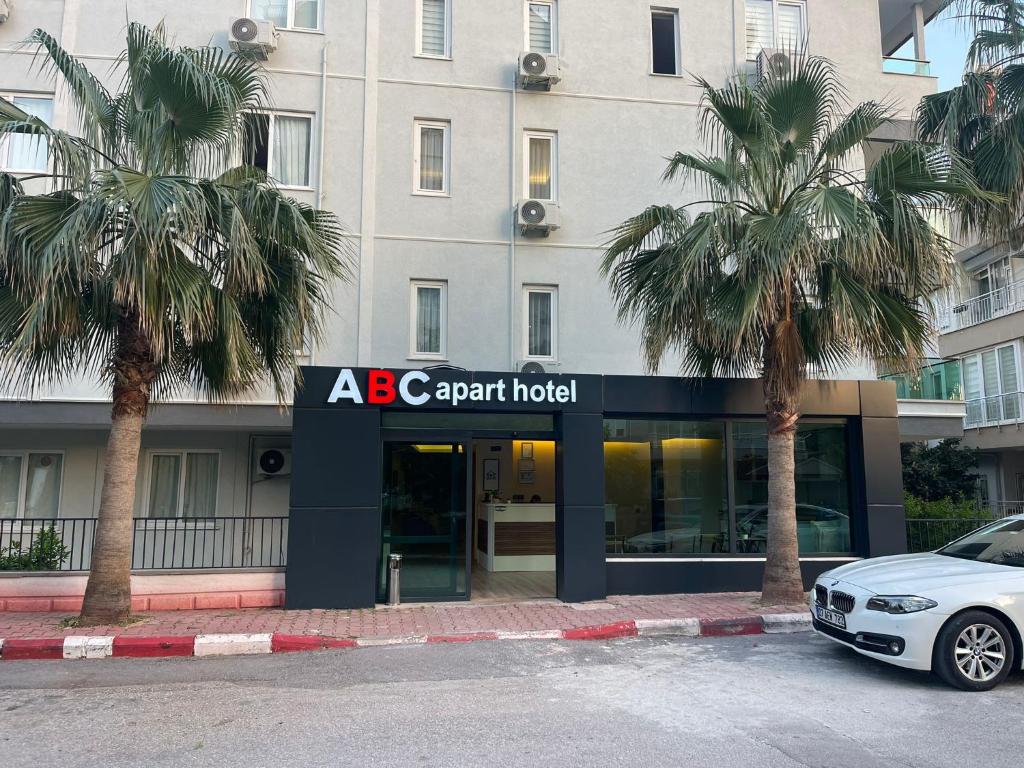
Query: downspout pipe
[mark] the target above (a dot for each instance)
(513, 223)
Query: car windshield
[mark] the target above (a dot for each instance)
(1001, 543)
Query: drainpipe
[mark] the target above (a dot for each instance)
(513, 223)
(322, 130)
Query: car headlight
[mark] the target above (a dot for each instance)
(900, 604)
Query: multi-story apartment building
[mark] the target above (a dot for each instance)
(416, 122)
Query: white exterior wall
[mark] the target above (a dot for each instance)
(615, 122)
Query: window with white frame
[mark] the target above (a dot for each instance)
(21, 153)
(775, 24)
(183, 484)
(542, 26)
(287, 14)
(665, 41)
(431, 147)
(280, 143)
(992, 385)
(433, 28)
(540, 321)
(30, 484)
(540, 165)
(428, 320)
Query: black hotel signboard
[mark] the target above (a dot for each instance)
(341, 424)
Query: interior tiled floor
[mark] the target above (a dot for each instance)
(512, 585)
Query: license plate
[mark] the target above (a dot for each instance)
(834, 618)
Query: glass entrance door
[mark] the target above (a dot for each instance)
(423, 518)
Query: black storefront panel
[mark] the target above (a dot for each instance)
(335, 541)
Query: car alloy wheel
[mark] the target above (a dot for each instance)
(980, 653)
(974, 651)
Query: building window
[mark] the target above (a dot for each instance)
(774, 24)
(429, 320)
(822, 487)
(665, 42)
(665, 487)
(279, 143)
(541, 322)
(430, 157)
(183, 484)
(542, 26)
(541, 161)
(992, 386)
(433, 28)
(30, 484)
(22, 153)
(287, 14)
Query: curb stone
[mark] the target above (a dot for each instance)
(131, 646)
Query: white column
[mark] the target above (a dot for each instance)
(917, 21)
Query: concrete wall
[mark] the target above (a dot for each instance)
(615, 124)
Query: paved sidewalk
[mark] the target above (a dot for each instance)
(419, 619)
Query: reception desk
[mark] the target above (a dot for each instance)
(516, 537)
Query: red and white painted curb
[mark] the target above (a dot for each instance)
(104, 646)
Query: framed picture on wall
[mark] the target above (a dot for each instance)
(527, 451)
(492, 474)
(526, 476)
(526, 464)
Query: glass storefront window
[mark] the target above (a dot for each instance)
(822, 487)
(665, 487)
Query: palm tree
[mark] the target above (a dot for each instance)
(149, 264)
(982, 119)
(794, 258)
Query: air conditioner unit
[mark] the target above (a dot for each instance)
(772, 61)
(538, 366)
(253, 37)
(537, 218)
(538, 71)
(274, 462)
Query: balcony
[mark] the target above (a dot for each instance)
(995, 411)
(929, 402)
(895, 65)
(988, 306)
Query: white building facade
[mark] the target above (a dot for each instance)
(409, 120)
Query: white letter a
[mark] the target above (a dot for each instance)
(346, 388)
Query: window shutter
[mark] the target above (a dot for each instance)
(759, 27)
(434, 26)
(791, 27)
(540, 27)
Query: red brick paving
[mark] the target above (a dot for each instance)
(412, 619)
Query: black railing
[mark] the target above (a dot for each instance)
(157, 543)
(927, 535)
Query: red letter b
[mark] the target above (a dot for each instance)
(382, 388)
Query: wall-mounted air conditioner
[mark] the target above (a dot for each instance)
(274, 462)
(538, 71)
(772, 61)
(253, 37)
(538, 366)
(537, 218)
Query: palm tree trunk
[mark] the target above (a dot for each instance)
(783, 583)
(108, 593)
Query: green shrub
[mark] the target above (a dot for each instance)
(46, 553)
(942, 509)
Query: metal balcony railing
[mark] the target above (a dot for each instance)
(993, 411)
(65, 544)
(895, 65)
(1002, 301)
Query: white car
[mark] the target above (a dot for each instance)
(958, 611)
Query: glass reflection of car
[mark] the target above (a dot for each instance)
(819, 529)
(958, 611)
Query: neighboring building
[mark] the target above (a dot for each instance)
(982, 328)
(412, 120)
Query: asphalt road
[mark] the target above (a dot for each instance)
(758, 701)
